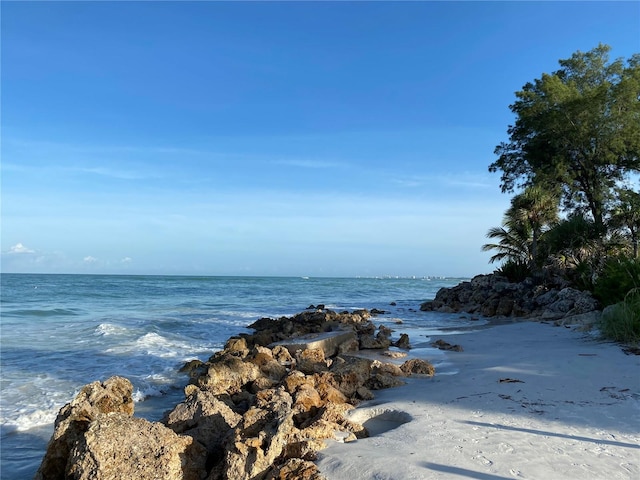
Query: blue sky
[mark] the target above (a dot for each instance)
(268, 138)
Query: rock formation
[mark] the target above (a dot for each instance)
(494, 296)
(258, 409)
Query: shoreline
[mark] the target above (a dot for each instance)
(529, 400)
(511, 398)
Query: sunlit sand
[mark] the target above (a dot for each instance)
(529, 400)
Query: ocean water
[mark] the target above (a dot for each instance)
(60, 332)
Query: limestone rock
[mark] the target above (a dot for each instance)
(112, 396)
(493, 295)
(368, 341)
(295, 469)
(311, 361)
(442, 345)
(227, 374)
(117, 446)
(418, 366)
(403, 342)
(260, 437)
(205, 418)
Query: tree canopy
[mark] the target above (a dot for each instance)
(576, 130)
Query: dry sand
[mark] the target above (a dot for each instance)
(523, 400)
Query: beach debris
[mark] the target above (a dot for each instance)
(510, 380)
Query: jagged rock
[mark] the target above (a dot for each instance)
(505, 307)
(260, 437)
(442, 345)
(329, 420)
(111, 396)
(307, 398)
(329, 389)
(493, 295)
(311, 361)
(295, 379)
(193, 368)
(381, 368)
(237, 346)
(403, 342)
(418, 366)
(227, 374)
(282, 356)
(368, 341)
(205, 418)
(248, 414)
(118, 446)
(348, 373)
(263, 358)
(380, 381)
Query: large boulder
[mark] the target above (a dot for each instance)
(111, 396)
(117, 446)
(228, 374)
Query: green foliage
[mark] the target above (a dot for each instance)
(619, 276)
(622, 322)
(578, 129)
(575, 143)
(524, 223)
(573, 241)
(625, 217)
(514, 270)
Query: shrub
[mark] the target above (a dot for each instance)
(619, 276)
(621, 322)
(514, 270)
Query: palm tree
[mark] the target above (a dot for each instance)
(538, 209)
(525, 221)
(513, 243)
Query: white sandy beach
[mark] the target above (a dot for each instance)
(573, 413)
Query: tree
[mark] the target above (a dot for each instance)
(512, 246)
(577, 129)
(524, 222)
(625, 216)
(536, 208)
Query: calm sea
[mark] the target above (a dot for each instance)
(59, 332)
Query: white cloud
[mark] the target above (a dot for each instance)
(19, 248)
(90, 259)
(126, 260)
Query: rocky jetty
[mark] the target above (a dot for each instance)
(495, 296)
(258, 409)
